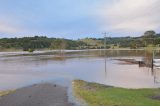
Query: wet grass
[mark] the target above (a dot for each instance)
(100, 95)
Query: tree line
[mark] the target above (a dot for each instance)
(39, 42)
(149, 38)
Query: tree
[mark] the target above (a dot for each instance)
(150, 34)
(133, 45)
(58, 44)
(149, 37)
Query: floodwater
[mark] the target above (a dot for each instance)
(104, 67)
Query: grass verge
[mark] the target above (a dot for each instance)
(2, 93)
(100, 95)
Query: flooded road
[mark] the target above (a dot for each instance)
(18, 70)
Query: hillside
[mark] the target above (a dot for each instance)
(150, 38)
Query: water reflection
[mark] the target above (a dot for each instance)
(156, 75)
(98, 66)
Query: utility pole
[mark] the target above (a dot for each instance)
(105, 35)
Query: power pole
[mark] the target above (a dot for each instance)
(105, 35)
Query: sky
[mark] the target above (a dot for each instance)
(75, 19)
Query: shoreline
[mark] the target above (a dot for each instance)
(43, 52)
(6, 92)
(67, 50)
(95, 94)
(44, 94)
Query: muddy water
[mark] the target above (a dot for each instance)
(18, 69)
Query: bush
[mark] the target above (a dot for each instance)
(30, 50)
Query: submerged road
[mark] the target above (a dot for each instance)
(37, 95)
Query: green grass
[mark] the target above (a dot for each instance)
(100, 95)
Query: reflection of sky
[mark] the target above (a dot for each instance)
(24, 70)
(11, 81)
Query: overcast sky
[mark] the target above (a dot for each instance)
(78, 18)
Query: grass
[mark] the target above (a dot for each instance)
(2, 93)
(100, 95)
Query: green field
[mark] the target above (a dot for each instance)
(100, 95)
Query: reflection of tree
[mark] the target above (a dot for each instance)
(148, 58)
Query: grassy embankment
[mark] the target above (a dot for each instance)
(2, 93)
(100, 95)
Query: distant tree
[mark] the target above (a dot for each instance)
(149, 37)
(30, 50)
(58, 44)
(133, 45)
(157, 41)
(150, 34)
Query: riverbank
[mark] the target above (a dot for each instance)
(37, 95)
(3, 93)
(100, 95)
(66, 50)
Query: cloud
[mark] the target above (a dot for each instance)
(51, 18)
(9, 25)
(4, 28)
(74, 19)
(131, 15)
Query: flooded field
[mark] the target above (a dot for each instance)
(106, 67)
